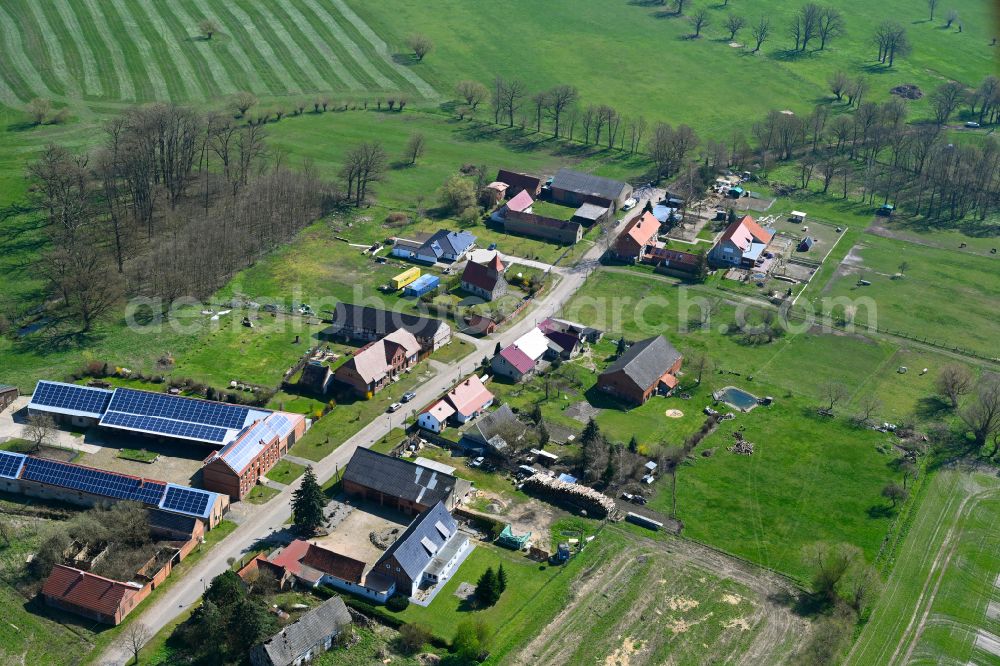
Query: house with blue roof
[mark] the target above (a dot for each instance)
(444, 245)
(426, 554)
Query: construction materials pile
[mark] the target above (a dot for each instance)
(741, 446)
(597, 505)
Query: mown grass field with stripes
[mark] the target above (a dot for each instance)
(107, 52)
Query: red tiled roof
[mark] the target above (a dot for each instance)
(495, 263)
(290, 558)
(469, 396)
(480, 276)
(669, 380)
(334, 564)
(86, 590)
(517, 358)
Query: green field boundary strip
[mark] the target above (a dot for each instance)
(113, 30)
(893, 630)
(96, 53)
(276, 45)
(221, 59)
(67, 58)
(243, 43)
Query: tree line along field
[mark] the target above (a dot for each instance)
(117, 51)
(641, 61)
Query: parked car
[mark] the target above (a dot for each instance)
(629, 204)
(394, 407)
(638, 499)
(408, 396)
(972, 124)
(492, 246)
(476, 462)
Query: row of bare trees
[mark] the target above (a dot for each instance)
(170, 203)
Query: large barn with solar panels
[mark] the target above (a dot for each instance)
(54, 479)
(252, 440)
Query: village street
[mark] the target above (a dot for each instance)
(272, 516)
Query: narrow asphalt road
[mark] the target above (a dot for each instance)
(270, 518)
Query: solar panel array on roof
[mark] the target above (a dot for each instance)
(157, 425)
(70, 398)
(239, 453)
(187, 500)
(179, 408)
(93, 481)
(10, 464)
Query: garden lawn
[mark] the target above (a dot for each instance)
(138, 455)
(285, 472)
(261, 494)
(810, 478)
(535, 593)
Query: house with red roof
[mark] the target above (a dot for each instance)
(741, 244)
(485, 280)
(636, 237)
(312, 565)
(96, 597)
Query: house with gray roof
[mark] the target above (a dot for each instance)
(399, 483)
(304, 640)
(426, 554)
(499, 431)
(647, 368)
(575, 188)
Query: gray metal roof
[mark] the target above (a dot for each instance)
(328, 619)
(585, 183)
(646, 361)
(398, 478)
(421, 542)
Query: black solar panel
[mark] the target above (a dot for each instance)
(178, 408)
(186, 500)
(10, 464)
(165, 426)
(93, 481)
(70, 396)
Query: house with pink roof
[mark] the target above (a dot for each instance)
(741, 244)
(469, 398)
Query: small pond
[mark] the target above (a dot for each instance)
(737, 398)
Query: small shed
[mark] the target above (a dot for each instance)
(422, 285)
(508, 539)
(806, 244)
(736, 192)
(651, 466)
(798, 216)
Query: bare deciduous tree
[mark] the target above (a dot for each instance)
(559, 99)
(833, 393)
(734, 23)
(700, 20)
(414, 147)
(420, 44)
(830, 25)
(39, 110)
(839, 83)
(830, 563)
(39, 430)
(135, 635)
(760, 32)
(982, 415)
(472, 92)
(931, 6)
(945, 100)
(243, 101)
(364, 164)
(207, 28)
(954, 381)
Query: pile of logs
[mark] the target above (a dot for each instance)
(597, 505)
(741, 446)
